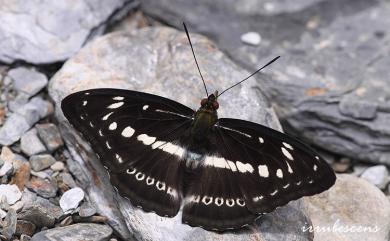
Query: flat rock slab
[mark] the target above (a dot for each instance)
(49, 31)
(80, 231)
(159, 61)
(333, 70)
(353, 209)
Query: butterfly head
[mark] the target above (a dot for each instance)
(210, 103)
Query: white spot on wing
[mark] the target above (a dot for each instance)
(149, 181)
(140, 176)
(119, 158)
(261, 140)
(218, 201)
(100, 133)
(160, 185)
(145, 107)
(147, 140)
(131, 170)
(172, 149)
(286, 186)
(108, 145)
(244, 167)
(315, 167)
(118, 98)
(115, 105)
(128, 132)
(279, 173)
(288, 146)
(290, 170)
(85, 103)
(207, 200)
(230, 202)
(112, 126)
(106, 116)
(220, 162)
(256, 199)
(287, 153)
(274, 192)
(240, 202)
(263, 171)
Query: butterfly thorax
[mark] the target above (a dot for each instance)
(205, 118)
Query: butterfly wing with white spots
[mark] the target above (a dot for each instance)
(253, 170)
(156, 154)
(135, 136)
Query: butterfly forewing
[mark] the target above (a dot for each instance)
(135, 136)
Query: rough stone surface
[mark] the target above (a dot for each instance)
(25, 227)
(11, 192)
(27, 81)
(22, 176)
(50, 31)
(31, 144)
(71, 199)
(9, 224)
(94, 232)
(377, 175)
(333, 70)
(39, 211)
(351, 202)
(23, 119)
(42, 187)
(58, 166)
(50, 136)
(41, 162)
(87, 210)
(161, 60)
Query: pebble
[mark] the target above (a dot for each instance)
(9, 224)
(24, 237)
(377, 175)
(251, 38)
(58, 166)
(22, 176)
(28, 81)
(66, 181)
(42, 175)
(6, 159)
(11, 192)
(6, 169)
(23, 119)
(87, 210)
(50, 136)
(25, 227)
(39, 211)
(79, 231)
(42, 187)
(41, 162)
(71, 199)
(31, 144)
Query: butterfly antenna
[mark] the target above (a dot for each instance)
(270, 62)
(193, 53)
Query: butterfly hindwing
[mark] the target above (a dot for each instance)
(135, 135)
(261, 167)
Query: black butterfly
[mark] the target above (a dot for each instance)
(163, 155)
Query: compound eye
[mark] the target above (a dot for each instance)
(203, 102)
(215, 105)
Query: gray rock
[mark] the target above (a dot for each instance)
(7, 158)
(333, 70)
(9, 224)
(2, 214)
(42, 187)
(66, 180)
(161, 60)
(377, 175)
(46, 31)
(23, 119)
(58, 166)
(24, 237)
(11, 192)
(41, 212)
(50, 136)
(71, 199)
(87, 209)
(27, 81)
(80, 231)
(6, 169)
(25, 227)
(31, 144)
(251, 38)
(346, 205)
(41, 162)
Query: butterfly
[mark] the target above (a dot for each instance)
(224, 173)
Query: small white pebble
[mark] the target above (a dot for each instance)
(10, 192)
(252, 38)
(57, 166)
(71, 199)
